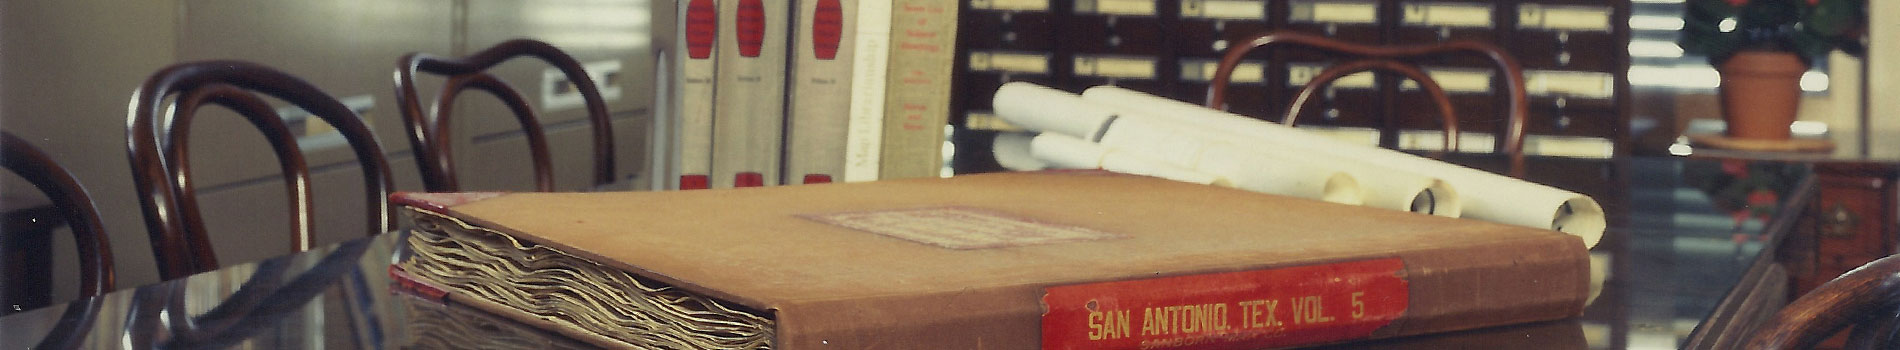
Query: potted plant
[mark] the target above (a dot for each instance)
(1762, 47)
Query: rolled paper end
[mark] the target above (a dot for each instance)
(1580, 216)
(1343, 189)
(1439, 199)
(1065, 152)
(1040, 108)
(1012, 151)
(1599, 274)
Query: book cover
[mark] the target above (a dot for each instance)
(749, 117)
(818, 127)
(917, 107)
(1065, 259)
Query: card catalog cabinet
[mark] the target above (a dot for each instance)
(1574, 53)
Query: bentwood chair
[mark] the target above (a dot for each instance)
(162, 169)
(429, 132)
(1867, 298)
(1392, 59)
(75, 206)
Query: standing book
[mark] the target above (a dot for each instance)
(1060, 260)
(817, 128)
(693, 72)
(749, 117)
(923, 38)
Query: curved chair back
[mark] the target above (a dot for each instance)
(162, 170)
(74, 205)
(1392, 59)
(95, 254)
(1866, 298)
(429, 133)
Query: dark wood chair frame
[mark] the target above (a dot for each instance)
(1390, 58)
(429, 133)
(1867, 298)
(162, 175)
(95, 252)
(72, 201)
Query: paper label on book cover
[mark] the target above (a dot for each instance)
(1245, 10)
(1448, 14)
(1010, 5)
(1270, 308)
(1116, 7)
(961, 228)
(1576, 18)
(1353, 12)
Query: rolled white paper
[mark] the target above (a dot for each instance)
(1488, 196)
(1067, 152)
(1253, 171)
(1044, 109)
(1011, 150)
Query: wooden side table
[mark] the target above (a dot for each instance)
(1852, 222)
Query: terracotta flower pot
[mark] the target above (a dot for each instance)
(1761, 90)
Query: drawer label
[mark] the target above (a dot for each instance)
(1573, 18)
(1254, 10)
(1448, 14)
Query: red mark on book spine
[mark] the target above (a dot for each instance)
(418, 287)
(817, 179)
(827, 29)
(751, 27)
(694, 182)
(748, 179)
(1271, 308)
(702, 28)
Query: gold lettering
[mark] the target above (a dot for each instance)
(1121, 323)
(1307, 310)
(1095, 325)
(1148, 324)
(1358, 307)
(1273, 320)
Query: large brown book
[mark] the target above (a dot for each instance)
(1017, 260)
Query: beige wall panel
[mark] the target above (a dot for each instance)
(1883, 79)
(593, 31)
(67, 69)
(348, 48)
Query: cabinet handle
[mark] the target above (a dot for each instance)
(1838, 222)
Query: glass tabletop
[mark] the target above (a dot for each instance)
(1684, 233)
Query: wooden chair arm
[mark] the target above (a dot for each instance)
(1856, 298)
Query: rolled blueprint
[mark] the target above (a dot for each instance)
(1011, 150)
(1487, 196)
(1296, 174)
(1035, 107)
(1062, 151)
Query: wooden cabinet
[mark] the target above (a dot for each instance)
(1574, 53)
(1852, 222)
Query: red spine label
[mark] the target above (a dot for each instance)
(751, 27)
(827, 28)
(702, 28)
(1250, 309)
(748, 179)
(695, 182)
